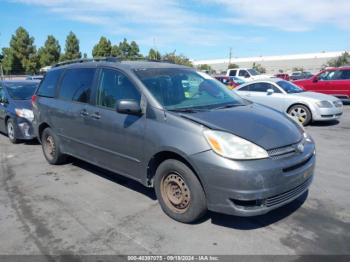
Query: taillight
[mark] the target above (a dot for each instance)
(34, 97)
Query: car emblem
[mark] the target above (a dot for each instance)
(300, 148)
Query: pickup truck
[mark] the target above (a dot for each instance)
(247, 74)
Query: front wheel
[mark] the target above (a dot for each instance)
(11, 131)
(300, 113)
(179, 191)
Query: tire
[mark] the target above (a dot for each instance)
(301, 113)
(51, 147)
(11, 131)
(179, 191)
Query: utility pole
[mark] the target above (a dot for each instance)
(230, 56)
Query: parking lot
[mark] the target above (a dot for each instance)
(81, 209)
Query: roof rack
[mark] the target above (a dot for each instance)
(86, 60)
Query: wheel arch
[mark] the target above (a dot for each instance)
(160, 157)
(41, 128)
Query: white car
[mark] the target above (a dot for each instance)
(286, 97)
(246, 74)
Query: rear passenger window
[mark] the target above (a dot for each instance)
(233, 72)
(114, 86)
(76, 84)
(48, 85)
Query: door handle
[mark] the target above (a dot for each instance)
(84, 113)
(96, 116)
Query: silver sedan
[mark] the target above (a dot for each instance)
(287, 97)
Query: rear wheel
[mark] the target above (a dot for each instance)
(51, 148)
(179, 191)
(301, 113)
(11, 131)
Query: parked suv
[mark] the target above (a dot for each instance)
(332, 81)
(184, 133)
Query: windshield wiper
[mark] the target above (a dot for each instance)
(227, 106)
(187, 110)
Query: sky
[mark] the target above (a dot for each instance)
(199, 29)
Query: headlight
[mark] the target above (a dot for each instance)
(25, 113)
(307, 137)
(324, 104)
(234, 147)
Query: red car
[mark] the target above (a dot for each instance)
(230, 81)
(283, 76)
(332, 81)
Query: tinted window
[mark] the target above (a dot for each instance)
(2, 95)
(233, 72)
(114, 86)
(289, 87)
(244, 88)
(243, 73)
(48, 85)
(202, 91)
(21, 91)
(344, 75)
(263, 87)
(76, 84)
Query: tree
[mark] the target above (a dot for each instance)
(50, 53)
(126, 51)
(103, 48)
(154, 55)
(72, 49)
(232, 66)
(259, 68)
(177, 59)
(134, 52)
(301, 69)
(342, 60)
(21, 56)
(204, 67)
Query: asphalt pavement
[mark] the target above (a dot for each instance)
(81, 209)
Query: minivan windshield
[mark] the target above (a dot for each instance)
(184, 89)
(21, 91)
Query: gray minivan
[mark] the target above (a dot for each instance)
(200, 145)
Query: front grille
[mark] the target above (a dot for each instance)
(331, 115)
(282, 152)
(275, 200)
(296, 166)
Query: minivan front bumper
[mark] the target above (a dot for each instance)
(254, 187)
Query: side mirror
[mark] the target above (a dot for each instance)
(270, 91)
(129, 107)
(247, 76)
(315, 79)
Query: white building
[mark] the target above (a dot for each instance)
(309, 62)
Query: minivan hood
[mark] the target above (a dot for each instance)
(256, 123)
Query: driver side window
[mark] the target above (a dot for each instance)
(244, 73)
(114, 86)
